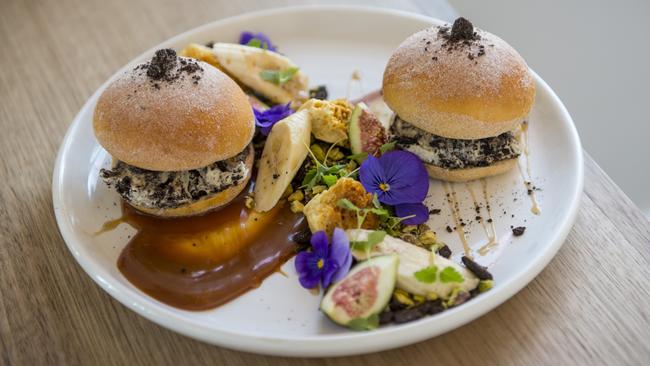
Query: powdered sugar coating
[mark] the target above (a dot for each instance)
(169, 125)
(479, 80)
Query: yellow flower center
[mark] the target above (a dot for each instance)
(320, 263)
(384, 187)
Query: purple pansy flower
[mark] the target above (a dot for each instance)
(267, 118)
(325, 263)
(260, 38)
(419, 213)
(399, 179)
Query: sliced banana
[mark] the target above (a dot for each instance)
(284, 151)
(245, 63)
(412, 259)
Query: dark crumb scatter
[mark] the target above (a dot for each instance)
(319, 92)
(478, 270)
(478, 218)
(518, 231)
(445, 252)
(407, 315)
(448, 228)
(276, 176)
(434, 211)
(386, 317)
(210, 44)
(489, 220)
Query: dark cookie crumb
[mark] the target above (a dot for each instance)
(319, 92)
(479, 271)
(518, 231)
(449, 229)
(445, 252)
(434, 211)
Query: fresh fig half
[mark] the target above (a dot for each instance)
(357, 299)
(366, 132)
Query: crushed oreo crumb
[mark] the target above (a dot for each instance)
(518, 231)
(434, 211)
(210, 44)
(163, 67)
(449, 230)
(445, 252)
(162, 63)
(479, 271)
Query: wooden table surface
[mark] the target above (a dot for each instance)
(590, 305)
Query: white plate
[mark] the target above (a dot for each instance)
(329, 43)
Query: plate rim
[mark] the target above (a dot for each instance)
(339, 344)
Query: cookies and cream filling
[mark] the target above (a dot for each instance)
(152, 189)
(454, 153)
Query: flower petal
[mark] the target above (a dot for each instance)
(320, 244)
(371, 175)
(307, 274)
(267, 118)
(406, 176)
(328, 272)
(245, 37)
(420, 211)
(340, 254)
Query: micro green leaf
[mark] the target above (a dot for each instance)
(387, 147)
(329, 179)
(450, 274)
(279, 77)
(427, 275)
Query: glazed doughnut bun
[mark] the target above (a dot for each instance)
(461, 88)
(468, 174)
(180, 118)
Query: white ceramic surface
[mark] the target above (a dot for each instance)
(280, 317)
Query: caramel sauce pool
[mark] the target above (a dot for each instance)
(201, 262)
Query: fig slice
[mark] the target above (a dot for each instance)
(357, 299)
(366, 132)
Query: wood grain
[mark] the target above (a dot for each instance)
(588, 306)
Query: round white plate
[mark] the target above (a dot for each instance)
(280, 317)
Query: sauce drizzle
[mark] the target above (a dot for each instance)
(452, 201)
(528, 181)
(201, 262)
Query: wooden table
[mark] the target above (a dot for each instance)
(590, 305)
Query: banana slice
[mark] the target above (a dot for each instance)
(284, 151)
(412, 259)
(246, 63)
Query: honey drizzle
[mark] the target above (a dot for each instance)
(528, 181)
(452, 201)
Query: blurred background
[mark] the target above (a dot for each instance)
(595, 54)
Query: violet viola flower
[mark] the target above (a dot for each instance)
(267, 118)
(260, 40)
(399, 179)
(325, 263)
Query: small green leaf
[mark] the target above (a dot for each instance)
(310, 179)
(360, 157)
(254, 42)
(369, 323)
(376, 237)
(329, 179)
(279, 77)
(427, 275)
(347, 204)
(450, 274)
(373, 239)
(375, 201)
(387, 147)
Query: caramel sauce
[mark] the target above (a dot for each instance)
(488, 225)
(452, 201)
(528, 182)
(201, 262)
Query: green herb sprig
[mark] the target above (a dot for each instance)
(279, 77)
